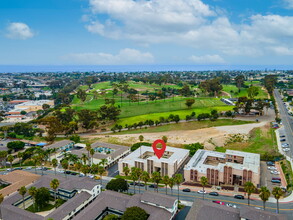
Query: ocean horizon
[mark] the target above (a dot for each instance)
(137, 68)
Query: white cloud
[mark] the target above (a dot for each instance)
(289, 4)
(125, 56)
(191, 23)
(207, 59)
(18, 30)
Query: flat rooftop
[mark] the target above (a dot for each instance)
(198, 161)
(143, 153)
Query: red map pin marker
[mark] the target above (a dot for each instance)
(159, 152)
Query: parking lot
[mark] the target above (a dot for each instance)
(267, 175)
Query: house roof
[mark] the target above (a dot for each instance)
(255, 214)
(118, 149)
(59, 144)
(163, 200)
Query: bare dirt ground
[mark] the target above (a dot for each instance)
(210, 137)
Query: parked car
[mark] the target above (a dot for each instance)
(276, 178)
(276, 181)
(17, 168)
(285, 145)
(286, 149)
(231, 205)
(239, 197)
(282, 136)
(141, 184)
(219, 202)
(153, 186)
(270, 163)
(28, 168)
(272, 168)
(8, 169)
(282, 140)
(186, 190)
(201, 191)
(275, 172)
(213, 194)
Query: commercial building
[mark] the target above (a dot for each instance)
(232, 167)
(78, 193)
(30, 106)
(145, 159)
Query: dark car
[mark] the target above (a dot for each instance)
(186, 190)
(140, 184)
(283, 140)
(270, 163)
(282, 136)
(239, 197)
(153, 186)
(276, 181)
(17, 168)
(131, 183)
(213, 193)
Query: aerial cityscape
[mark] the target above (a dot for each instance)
(146, 110)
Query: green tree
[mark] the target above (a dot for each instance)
(178, 179)
(92, 152)
(139, 173)
(145, 177)
(64, 164)
(22, 191)
(118, 185)
(42, 197)
(126, 171)
(239, 80)
(193, 148)
(252, 92)
(33, 191)
(278, 193)
(109, 112)
(54, 184)
(140, 138)
(171, 184)
(88, 148)
(203, 182)
(15, 145)
(78, 166)
(189, 102)
(165, 139)
(55, 164)
(20, 156)
(87, 118)
(10, 159)
(249, 188)
(156, 177)
(135, 213)
(84, 158)
(81, 94)
(133, 176)
(264, 195)
(166, 180)
(101, 171)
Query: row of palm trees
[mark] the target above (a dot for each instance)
(136, 174)
(249, 188)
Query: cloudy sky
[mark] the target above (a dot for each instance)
(118, 32)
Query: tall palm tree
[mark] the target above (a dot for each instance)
(203, 182)
(101, 170)
(166, 180)
(178, 180)
(126, 170)
(88, 148)
(145, 177)
(33, 191)
(249, 188)
(103, 162)
(55, 164)
(20, 156)
(278, 193)
(41, 161)
(84, 158)
(54, 184)
(139, 173)
(10, 159)
(22, 191)
(3, 155)
(156, 176)
(35, 159)
(92, 152)
(133, 177)
(171, 184)
(64, 165)
(264, 195)
(78, 166)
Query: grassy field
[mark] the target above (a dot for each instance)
(262, 140)
(192, 125)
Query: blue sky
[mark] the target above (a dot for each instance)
(118, 32)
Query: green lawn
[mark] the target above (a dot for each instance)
(192, 125)
(45, 208)
(243, 92)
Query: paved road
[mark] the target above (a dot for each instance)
(285, 208)
(286, 120)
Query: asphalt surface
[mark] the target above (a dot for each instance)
(285, 208)
(287, 121)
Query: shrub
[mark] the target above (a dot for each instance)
(138, 145)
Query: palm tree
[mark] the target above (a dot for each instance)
(3, 155)
(264, 195)
(85, 169)
(103, 162)
(138, 172)
(54, 185)
(35, 159)
(171, 184)
(55, 164)
(156, 176)
(33, 191)
(178, 180)
(133, 176)
(166, 180)
(10, 159)
(22, 191)
(77, 166)
(203, 182)
(126, 170)
(249, 188)
(41, 160)
(64, 165)
(20, 156)
(278, 193)
(84, 158)
(88, 148)
(92, 152)
(101, 170)
(145, 177)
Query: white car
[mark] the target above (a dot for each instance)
(201, 191)
(272, 168)
(286, 149)
(231, 205)
(91, 176)
(275, 172)
(28, 168)
(285, 145)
